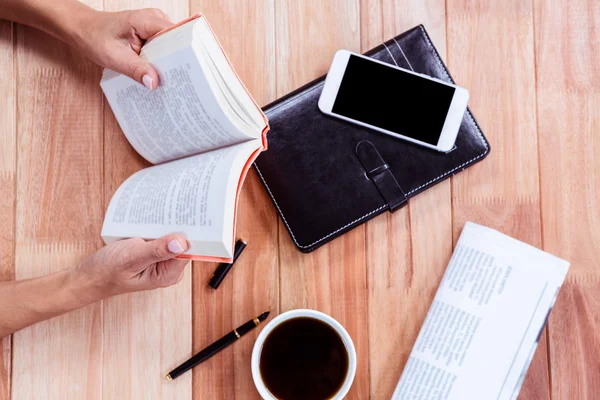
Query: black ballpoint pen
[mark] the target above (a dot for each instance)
(217, 346)
(220, 273)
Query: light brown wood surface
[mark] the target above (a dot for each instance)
(58, 209)
(490, 47)
(532, 71)
(8, 165)
(146, 333)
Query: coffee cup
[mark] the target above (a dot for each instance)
(303, 354)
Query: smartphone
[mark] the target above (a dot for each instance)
(393, 100)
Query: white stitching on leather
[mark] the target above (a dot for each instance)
(391, 55)
(318, 85)
(403, 55)
(446, 173)
(290, 229)
(437, 56)
(412, 191)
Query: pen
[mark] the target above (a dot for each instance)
(223, 268)
(217, 346)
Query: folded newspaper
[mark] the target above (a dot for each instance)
(485, 321)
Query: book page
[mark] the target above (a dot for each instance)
(180, 118)
(485, 321)
(195, 196)
(231, 86)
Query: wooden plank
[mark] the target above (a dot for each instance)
(146, 333)
(407, 252)
(333, 279)
(59, 214)
(568, 102)
(246, 31)
(490, 52)
(8, 149)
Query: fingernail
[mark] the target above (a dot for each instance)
(147, 81)
(175, 247)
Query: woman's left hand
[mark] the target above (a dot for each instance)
(132, 265)
(114, 40)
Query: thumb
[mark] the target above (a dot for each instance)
(165, 248)
(135, 67)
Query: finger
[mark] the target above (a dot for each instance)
(165, 16)
(161, 14)
(171, 272)
(148, 22)
(127, 62)
(165, 248)
(175, 264)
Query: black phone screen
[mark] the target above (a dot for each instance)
(394, 100)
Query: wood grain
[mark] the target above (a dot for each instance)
(568, 99)
(58, 210)
(400, 245)
(333, 278)
(490, 47)
(8, 147)
(132, 338)
(531, 70)
(146, 334)
(246, 31)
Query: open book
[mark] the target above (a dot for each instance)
(483, 327)
(200, 127)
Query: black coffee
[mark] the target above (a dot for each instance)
(303, 358)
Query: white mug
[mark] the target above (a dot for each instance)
(256, 351)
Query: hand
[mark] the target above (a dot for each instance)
(114, 40)
(132, 265)
(125, 266)
(110, 39)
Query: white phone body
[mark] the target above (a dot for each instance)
(451, 123)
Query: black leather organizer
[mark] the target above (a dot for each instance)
(326, 176)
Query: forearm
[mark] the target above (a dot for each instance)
(25, 302)
(59, 18)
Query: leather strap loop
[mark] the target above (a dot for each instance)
(378, 171)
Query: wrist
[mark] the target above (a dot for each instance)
(86, 288)
(63, 19)
(73, 27)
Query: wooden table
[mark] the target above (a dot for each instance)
(532, 69)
